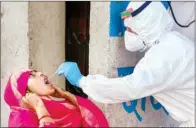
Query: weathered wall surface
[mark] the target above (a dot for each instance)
(14, 45)
(47, 37)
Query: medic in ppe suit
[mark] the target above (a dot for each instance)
(166, 71)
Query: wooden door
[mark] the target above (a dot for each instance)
(77, 38)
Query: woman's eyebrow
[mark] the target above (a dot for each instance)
(33, 72)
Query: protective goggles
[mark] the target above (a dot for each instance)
(129, 12)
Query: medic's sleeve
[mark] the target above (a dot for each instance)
(149, 77)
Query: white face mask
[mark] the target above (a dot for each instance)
(133, 42)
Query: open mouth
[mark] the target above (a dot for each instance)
(47, 82)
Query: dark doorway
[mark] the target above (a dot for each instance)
(77, 38)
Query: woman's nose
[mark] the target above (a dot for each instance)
(39, 73)
(42, 75)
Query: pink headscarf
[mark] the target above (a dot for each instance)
(65, 113)
(16, 88)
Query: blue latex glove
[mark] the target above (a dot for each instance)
(71, 71)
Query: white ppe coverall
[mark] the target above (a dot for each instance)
(166, 71)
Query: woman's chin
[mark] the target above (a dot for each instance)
(49, 92)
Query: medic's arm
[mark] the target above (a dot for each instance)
(148, 78)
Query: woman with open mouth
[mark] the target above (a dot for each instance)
(35, 102)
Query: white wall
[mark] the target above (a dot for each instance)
(14, 45)
(47, 37)
(185, 13)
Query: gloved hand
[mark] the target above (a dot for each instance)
(71, 71)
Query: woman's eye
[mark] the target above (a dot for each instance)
(32, 75)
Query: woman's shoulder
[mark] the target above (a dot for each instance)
(22, 117)
(17, 109)
(20, 111)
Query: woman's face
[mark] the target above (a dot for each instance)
(38, 83)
